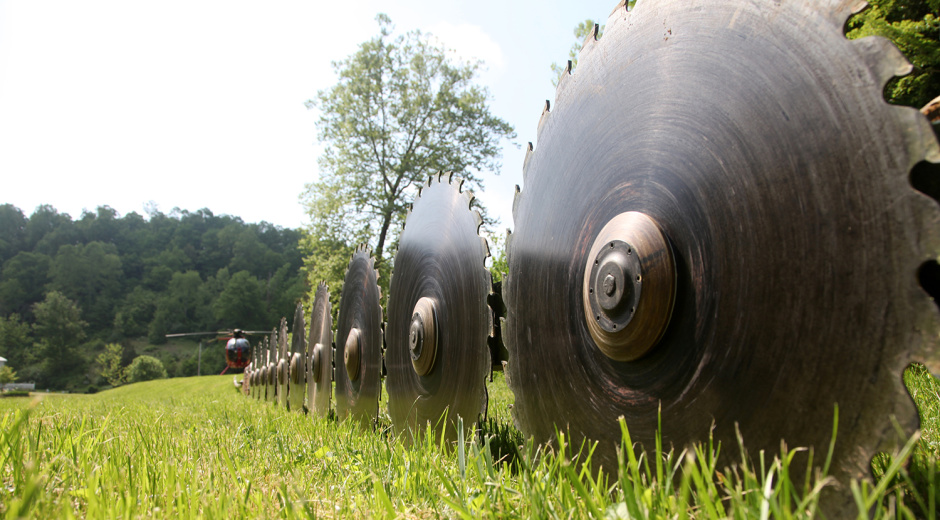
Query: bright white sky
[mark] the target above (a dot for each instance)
(198, 103)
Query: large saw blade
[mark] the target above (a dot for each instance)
(717, 223)
(438, 319)
(359, 343)
(320, 354)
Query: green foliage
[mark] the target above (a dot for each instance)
(110, 363)
(23, 281)
(145, 368)
(133, 277)
(401, 110)
(89, 274)
(499, 265)
(914, 26)
(7, 375)
(15, 340)
(581, 32)
(136, 311)
(12, 231)
(60, 330)
(241, 301)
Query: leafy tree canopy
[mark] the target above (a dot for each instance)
(145, 368)
(914, 26)
(401, 111)
(109, 362)
(581, 33)
(60, 330)
(15, 340)
(129, 277)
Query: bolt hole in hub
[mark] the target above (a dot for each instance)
(629, 286)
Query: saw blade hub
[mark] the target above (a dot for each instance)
(282, 372)
(629, 286)
(315, 361)
(422, 336)
(351, 354)
(616, 285)
(296, 368)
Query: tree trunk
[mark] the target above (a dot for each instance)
(380, 247)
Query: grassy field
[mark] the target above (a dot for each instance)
(194, 447)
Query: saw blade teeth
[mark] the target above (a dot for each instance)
(839, 11)
(525, 163)
(883, 59)
(563, 81)
(546, 112)
(587, 47)
(491, 329)
(469, 197)
(508, 242)
(619, 15)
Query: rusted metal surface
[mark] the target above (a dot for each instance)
(756, 136)
(438, 318)
(320, 354)
(359, 324)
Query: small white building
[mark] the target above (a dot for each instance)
(3, 361)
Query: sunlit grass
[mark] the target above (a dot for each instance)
(195, 447)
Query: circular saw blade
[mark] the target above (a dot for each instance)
(282, 365)
(755, 136)
(320, 354)
(297, 374)
(440, 264)
(359, 343)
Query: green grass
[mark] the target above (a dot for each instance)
(194, 447)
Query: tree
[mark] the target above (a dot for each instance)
(914, 26)
(145, 368)
(7, 375)
(15, 341)
(91, 275)
(581, 33)
(499, 265)
(60, 330)
(110, 363)
(12, 231)
(241, 304)
(22, 282)
(401, 111)
(184, 306)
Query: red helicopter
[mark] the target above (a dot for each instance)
(237, 348)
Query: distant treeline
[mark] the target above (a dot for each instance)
(129, 277)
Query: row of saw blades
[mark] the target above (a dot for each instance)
(295, 371)
(433, 351)
(717, 235)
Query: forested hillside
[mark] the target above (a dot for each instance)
(68, 286)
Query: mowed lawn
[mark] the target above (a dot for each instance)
(195, 447)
